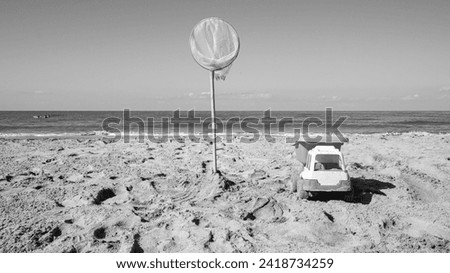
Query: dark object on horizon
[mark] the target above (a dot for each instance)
(44, 116)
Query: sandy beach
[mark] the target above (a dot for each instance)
(85, 195)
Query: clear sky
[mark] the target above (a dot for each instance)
(295, 55)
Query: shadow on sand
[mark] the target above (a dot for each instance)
(363, 190)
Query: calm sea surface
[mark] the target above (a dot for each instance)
(68, 123)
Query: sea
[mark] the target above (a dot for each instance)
(30, 124)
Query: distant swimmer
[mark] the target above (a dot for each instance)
(44, 116)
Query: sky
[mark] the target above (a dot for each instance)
(294, 55)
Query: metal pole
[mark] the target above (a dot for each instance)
(213, 116)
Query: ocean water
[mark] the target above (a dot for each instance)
(77, 123)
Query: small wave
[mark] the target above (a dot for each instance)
(40, 135)
(55, 135)
(171, 135)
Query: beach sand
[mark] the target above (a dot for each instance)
(85, 195)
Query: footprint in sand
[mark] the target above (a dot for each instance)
(264, 208)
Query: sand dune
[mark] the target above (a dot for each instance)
(85, 195)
